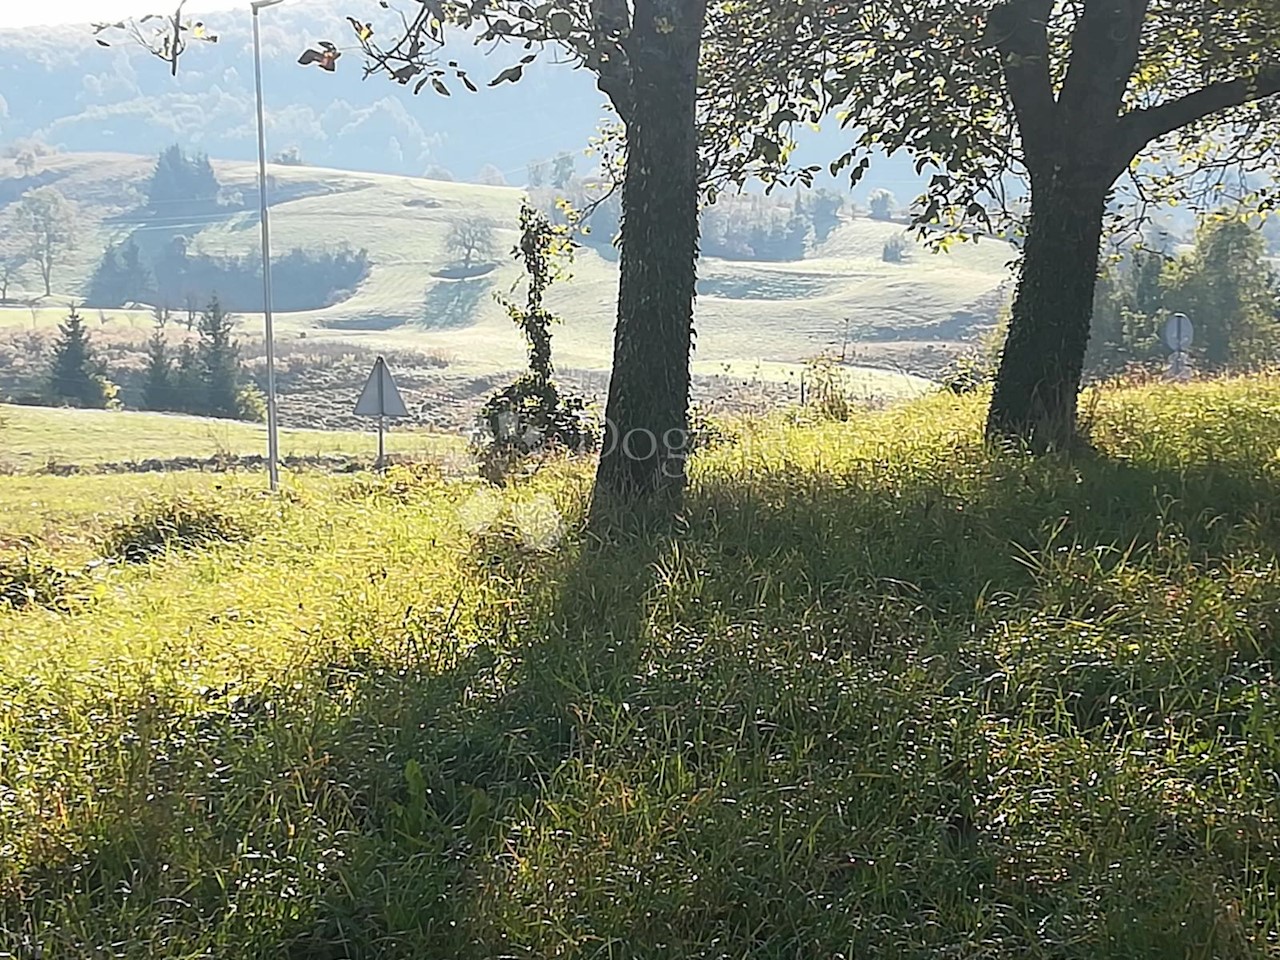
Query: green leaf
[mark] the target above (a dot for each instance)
(560, 24)
(768, 149)
(509, 75)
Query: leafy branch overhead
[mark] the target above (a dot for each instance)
(744, 128)
(975, 90)
(166, 36)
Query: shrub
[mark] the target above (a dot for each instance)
(27, 581)
(895, 250)
(184, 521)
(883, 203)
(828, 393)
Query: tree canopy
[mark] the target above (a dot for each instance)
(1180, 93)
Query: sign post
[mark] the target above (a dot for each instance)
(381, 398)
(1179, 334)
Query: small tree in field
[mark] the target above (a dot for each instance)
(47, 224)
(10, 265)
(75, 376)
(470, 242)
(882, 204)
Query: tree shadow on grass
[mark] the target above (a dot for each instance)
(449, 304)
(362, 809)
(774, 734)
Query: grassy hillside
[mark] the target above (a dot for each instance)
(886, 694)
(749, 312)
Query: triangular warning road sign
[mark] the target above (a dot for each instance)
(381, 397)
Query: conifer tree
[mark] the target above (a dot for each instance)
(76, 377)
(219, 362)
(157, 386)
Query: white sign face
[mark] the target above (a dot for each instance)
(1179, 333)
(381, 397)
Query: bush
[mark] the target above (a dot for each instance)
(251, 404)
(26, 581)
(828, 392)
(182, 522)
(883, 203)
(895, 250)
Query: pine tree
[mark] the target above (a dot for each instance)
(219, 358)
(180, 183)
(75, 376)
(187, 382)
(157, 386)
(121, 277)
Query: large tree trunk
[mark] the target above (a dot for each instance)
(1040, 369)
(646, 431)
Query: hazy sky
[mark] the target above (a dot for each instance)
(26, 13)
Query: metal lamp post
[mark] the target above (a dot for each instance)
(273, 439)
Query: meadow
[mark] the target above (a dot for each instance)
(43, 438)
(842, 289)
(884, 692)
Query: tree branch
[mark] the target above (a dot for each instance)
(1105, 47)
(1019, 29)
(1141, 127)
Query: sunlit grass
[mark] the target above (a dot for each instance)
(883, 694)
(33, 437)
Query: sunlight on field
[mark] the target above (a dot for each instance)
(880, 672)
(34, 436)
(749, 312)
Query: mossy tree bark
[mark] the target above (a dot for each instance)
(642, 465)
(1038, 383)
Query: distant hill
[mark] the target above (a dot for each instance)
(748, 312)
(56, 84)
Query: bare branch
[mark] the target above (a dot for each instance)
(1141, 127)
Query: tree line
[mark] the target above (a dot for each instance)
(39, 231)
(1224, 284)
(1080, 101)
(204, 376)
(178, 275)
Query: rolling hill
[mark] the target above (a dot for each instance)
(751, 316)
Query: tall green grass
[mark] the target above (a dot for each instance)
(882, 694)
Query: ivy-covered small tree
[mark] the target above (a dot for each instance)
(76, 377)
(532, 414)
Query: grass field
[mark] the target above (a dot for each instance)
(33, 437)
(884, 694)
(776, 313)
